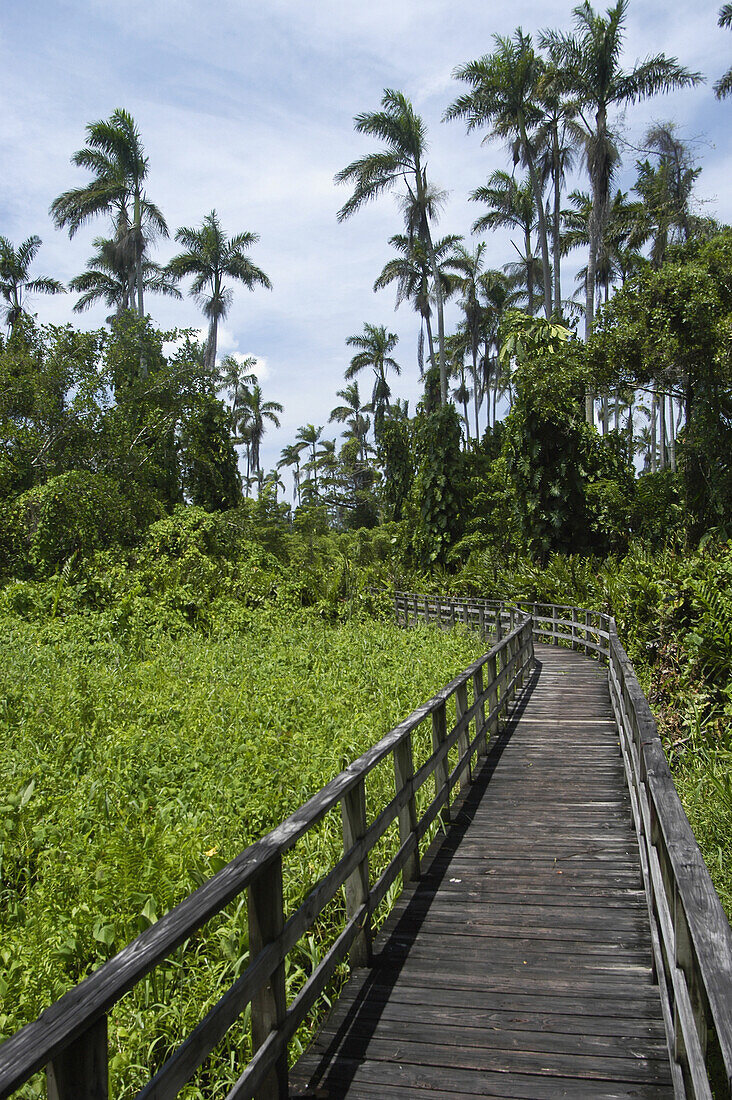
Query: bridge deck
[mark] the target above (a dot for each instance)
(520, 964)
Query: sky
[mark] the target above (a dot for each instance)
(247, 107)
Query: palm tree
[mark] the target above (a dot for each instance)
(115, 155)
(15, 279)
(511, 205)
(505, 95)
(665, 190)
(210, 256)
(106, 279)
(723, 86)
(411, 271)
(375, 345)
(309, 436)
(403, 160)
(587, 64)
(497, 296)
(351, 413)
(469, 269)
(237, 376)
(556, 143)
(290, 456)
(257, 411)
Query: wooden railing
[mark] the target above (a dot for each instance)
(70, 1037)
(692, 939)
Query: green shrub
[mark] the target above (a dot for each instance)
(73, 513)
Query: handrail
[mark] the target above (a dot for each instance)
(70, 1037)
(692, 939)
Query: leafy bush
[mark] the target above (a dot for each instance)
(73, 513)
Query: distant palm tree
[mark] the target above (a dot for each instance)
(412, 272)
(511, 205)
(351, 413)
(401, 161)
(375, 346)
(309, 436)
(469, 269)
(723, 86)
(15, 280)
(588, 64)
(210, 256)
(237, 376)
(115, 155)
(106, 279)
(257, 412)
(290, 456)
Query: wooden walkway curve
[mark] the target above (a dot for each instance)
(520, 965)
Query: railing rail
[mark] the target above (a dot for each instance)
(70, 1037)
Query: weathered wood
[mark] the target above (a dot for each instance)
(357, 884)
(461, 709)
(80, 1072)
(403, 773)
(269, 1003)
(480, 722)
(442, 771)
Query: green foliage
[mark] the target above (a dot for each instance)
(394, 452)
(657, 510)
(143, 751)
(74, 513)
(673, 325)
(436, 492)
(209, 471)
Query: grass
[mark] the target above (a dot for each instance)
(133, 772)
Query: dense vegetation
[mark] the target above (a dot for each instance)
(185, 656)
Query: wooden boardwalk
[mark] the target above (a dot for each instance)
(520, 964)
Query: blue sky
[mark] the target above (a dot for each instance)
(248, 107)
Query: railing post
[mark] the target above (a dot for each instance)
(81, 1072)
(499, 626)
(353, 812)
(684, 957)
(480, 715)
(461, 707)
(442, 770)
(427, 609)
(588, 628)
(269, 1003)
(403, 772)
(416, 612)
(574, 628)
(555, 635)
(465, 613)
(481, 621)
(491, 665)
(452, 614)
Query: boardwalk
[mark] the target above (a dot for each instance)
(520, 965)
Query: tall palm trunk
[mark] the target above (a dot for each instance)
(541, 218)
(529, 273)
(210, 356)
(475, 390)
(631, 439)
(653, 432)
(671, 433)
(662, 430)
(556, 247)
(427, 241)
(430, 340)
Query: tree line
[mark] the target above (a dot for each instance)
(553, 102)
